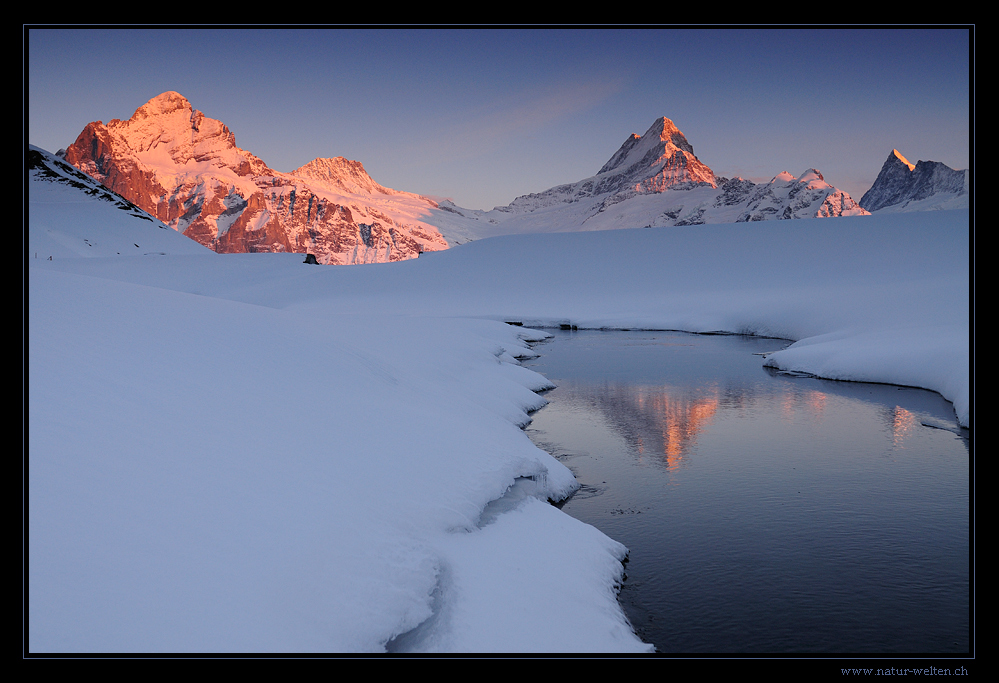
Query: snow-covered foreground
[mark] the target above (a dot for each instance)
(208, 475)
(246, 453)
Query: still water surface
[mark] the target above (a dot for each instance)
(763, 512)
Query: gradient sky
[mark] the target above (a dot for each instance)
(482, 116)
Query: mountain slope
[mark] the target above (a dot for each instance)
(185, 168)
(72, 215)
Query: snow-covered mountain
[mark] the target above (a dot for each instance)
(653, 180)
(185, 168)
(927, 185)
(661, 159)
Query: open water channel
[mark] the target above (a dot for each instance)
(763, 512)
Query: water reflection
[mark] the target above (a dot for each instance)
(657, 420)
(666, 420)
(901, 423)
(764, 512)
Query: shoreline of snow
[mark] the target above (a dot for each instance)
(180, 488)
(852, 283)
(801, 357)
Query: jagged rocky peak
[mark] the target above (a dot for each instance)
(663, 138)
(164, 130)
(660, 159)
(670, 134)
(900, 184)
(185, 169)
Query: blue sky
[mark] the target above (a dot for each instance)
(482, 116)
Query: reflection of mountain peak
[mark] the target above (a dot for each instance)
(658, 420)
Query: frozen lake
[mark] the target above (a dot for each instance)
(763, 512)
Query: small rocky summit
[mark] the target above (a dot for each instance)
(903, 186)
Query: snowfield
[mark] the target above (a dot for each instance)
(245, 453)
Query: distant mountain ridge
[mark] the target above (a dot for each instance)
(653, 180)
(903, 186)
(185, 168)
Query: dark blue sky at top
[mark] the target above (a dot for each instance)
(482, 116)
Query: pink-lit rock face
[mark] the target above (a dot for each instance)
(657, 161)
(185, 168)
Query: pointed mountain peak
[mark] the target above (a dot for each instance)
(897, 156)
(667, 132)
(900, 182)
(660, 158)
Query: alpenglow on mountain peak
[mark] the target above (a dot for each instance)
(902, 185)
(163, 103)
(898, 155)
(342, 175)
(185, 169)
(656, 180)
(662, 140)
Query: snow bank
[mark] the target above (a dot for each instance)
(210, 475)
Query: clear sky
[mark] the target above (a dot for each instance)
(482, 116)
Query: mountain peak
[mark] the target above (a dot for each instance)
(667, 132)
(340, 174)
(898, 156)
(812, 175)
(163, 103)
(900, 183)
(185, 169)
(659, 159)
